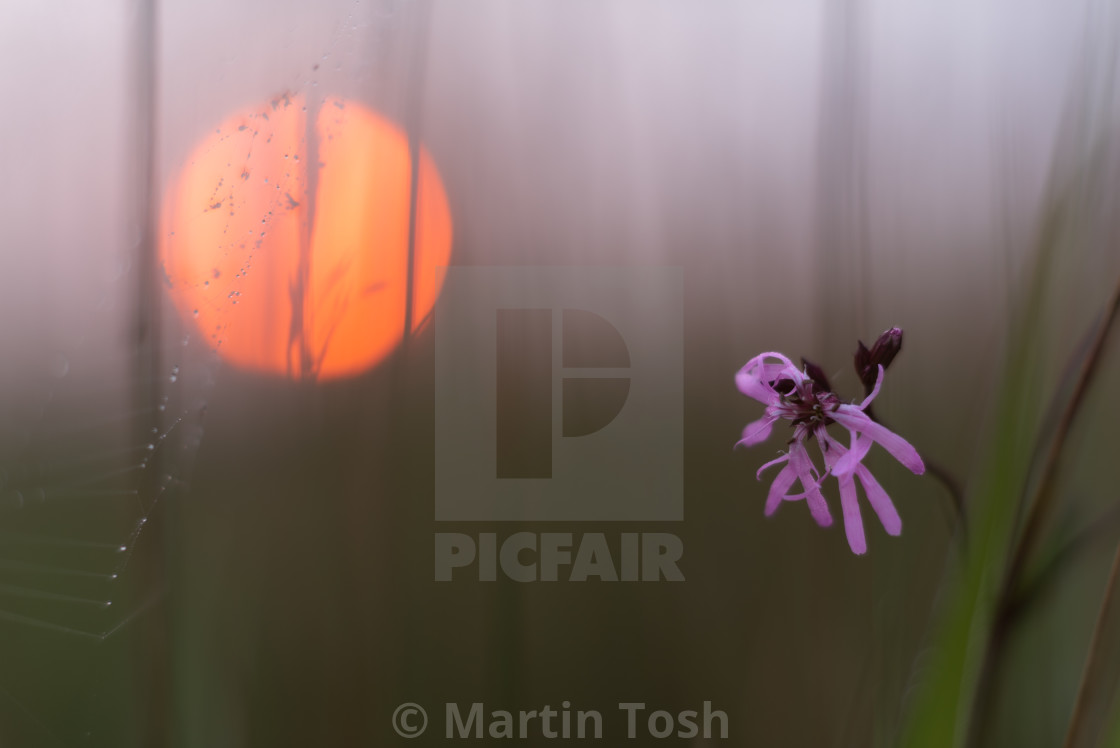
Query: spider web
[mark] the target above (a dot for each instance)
(88, 477)
(99, 431)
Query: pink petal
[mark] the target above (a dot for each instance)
(779, 488)
(853, 523)
(803, 464)
(761, 359)
(847, 464)
(818, 507)
(754, 378)
(831, 449)
(775, 461)
(770, 372)
(880, 502)
(799, 461)
(758, 431)
(854, 420)
(755, 389)
(875, 390)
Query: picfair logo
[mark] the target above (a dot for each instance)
(559, 394)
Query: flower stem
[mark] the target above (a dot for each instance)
(956, 496)
(948, 481)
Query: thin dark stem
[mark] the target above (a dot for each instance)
(415, 105)
(1068, 551)
(1093, 663)
(151, 643)
(1039, 507)
(956, 496)
(948, 481)
(309, 360)
(148, 360)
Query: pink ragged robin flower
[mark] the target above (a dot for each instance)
(804, 398)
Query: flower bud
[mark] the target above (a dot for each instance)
(881, 354)
(816, 373)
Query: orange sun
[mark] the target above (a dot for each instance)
(286, 238)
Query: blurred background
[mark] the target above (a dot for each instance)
(199, 553)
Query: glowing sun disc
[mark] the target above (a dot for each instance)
(285, 238)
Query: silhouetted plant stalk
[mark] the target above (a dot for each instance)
(1039, 504)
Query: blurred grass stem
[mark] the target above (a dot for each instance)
(1089, 692)
(1039, 505)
